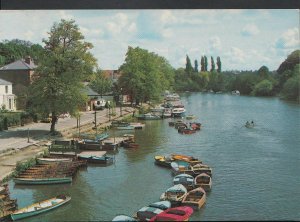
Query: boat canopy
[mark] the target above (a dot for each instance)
(177, 188)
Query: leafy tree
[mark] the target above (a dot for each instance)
(145, 75)
(263, 88)
(202, 64)
(291, 61)
(212, 62)
(291, 88)
(196, 66)
(100, 83)
(263, 72)
(219, 64)
(188, 66)
(58, 79)
(205, 63)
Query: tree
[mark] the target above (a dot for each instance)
(205, 63)
(66, 63)
(188, 66)
(196, 66)
(145, 75)
(212, 62)
(100, 83)
(263, 88)
(263, 72)
(219, 64)
(291, 88)
(202, 64)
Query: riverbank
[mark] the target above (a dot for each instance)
(10, 157)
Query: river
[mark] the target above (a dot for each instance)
(255, 171)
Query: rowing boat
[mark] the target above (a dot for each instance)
(40, 207)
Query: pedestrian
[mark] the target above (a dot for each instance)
(133, 113)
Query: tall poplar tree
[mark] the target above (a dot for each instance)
(188, 66)
(202, 64)
(196, 66)
(212, 63)
(58, 81)
(205, 63)
(219, 64)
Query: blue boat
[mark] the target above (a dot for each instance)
(146, 213)
(96, 157)
(34, 181)
(123, 218)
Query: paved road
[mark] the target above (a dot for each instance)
(17, 138)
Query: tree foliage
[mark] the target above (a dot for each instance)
(205, 63)
(291, 88)
(263, 88)
(202, 64)
(145, 75)
(188, 66)
(16, 49)
(212, 63)
(58, 86)
(196, 66)
(100, 83)
(219, 64)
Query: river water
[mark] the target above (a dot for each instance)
(255, 171)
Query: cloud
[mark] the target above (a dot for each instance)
(236, 55)
(215, 44)
(288, 40)
(250, 30)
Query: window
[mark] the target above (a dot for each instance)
(6, 89)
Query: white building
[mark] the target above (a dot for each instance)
(7, 98)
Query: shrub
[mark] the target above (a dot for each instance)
(263, 88)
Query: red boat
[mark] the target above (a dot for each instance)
(174, 214)
(186, 131)
(195, 126)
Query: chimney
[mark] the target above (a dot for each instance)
(28, 60)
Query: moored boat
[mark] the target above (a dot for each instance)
(123, 218)
(167, 113)
(182, 213)
(186, 130)
(195, 126)
(179, 168)
(203, 180)
(137, 125)
(185, 179)
(195, 198)
(97, 159)
(40, 207)
(125, 127)
(52, 160)
(109, 145)
(148, 116)
(164, 161)
(147, 212)
(190, 117)
(174, 194)
(190, 159)
(178, 112)
(52, 180)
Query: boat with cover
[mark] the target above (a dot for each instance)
(190, 117)
(179, 168)
(123, 218)
(167, 113)
(126, 127)
(195, 126)
(178, 112)
(40, 207)
(146, 213)
(203, 180)
(186, 130)
(174, 194)
(185, 179)
(182, 213)
(164, 161)
(195, 198)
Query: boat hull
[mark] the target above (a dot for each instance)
(33, 213)
(43, 181)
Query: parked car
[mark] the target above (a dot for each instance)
(99, 104)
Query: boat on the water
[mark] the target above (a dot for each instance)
(147, 212)
(182, 213)
(189, 117)
(126, 127)
(51, 180)
(96, 159)
(195, 126)
(179, 168)
(109, 146)
(186, 130)
(185, 179)
(40, 207)
(190, 159)
(172, 97)
(174, 194)
(203, 180)
(235, 92)
(178, 112)
(137, 125)
(164, 161)
(167, 113)
(52, 160)
(123, 218)
(195, 198)
(148, 116)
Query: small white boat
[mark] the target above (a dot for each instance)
(123, 218)
(235, 92)
(178, 112)
(167, 113)
(174, 194)
(185, 179)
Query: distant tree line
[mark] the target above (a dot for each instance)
(283, 82)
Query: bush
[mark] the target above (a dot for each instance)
(291, 89)
(263, 88)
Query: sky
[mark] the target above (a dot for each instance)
(244, 39)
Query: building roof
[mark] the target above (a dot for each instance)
(88, 91)
(19, 65)
(4, 82)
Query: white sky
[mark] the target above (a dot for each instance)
(244, 39)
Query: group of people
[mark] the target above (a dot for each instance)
(248, 124)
